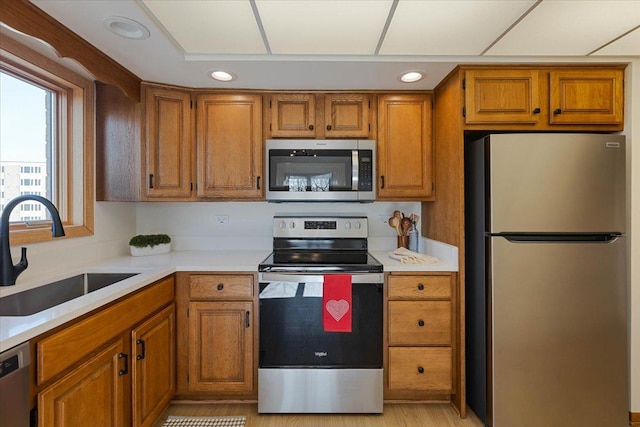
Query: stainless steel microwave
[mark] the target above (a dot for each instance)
(311, 170)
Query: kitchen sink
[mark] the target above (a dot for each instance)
(41, 298)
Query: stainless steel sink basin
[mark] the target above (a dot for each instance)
(47, 296)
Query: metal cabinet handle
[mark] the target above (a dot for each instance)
(143, 352)
(150, 180)
(420, 287)
(220, 286)
(124, 371)
(421, 323)
(247, 315)
(536, 111)
(557, 111)
(258, 182)
(328, 127)
(381, 181)
(420, 370)
(311, 127)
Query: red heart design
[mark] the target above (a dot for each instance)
(337, 309)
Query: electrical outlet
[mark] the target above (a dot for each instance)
(383, 218)
(222, 219)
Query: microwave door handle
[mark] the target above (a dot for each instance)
(354, 170)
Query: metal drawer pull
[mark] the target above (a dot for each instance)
(124, 371)
(246, 319)
(420, 322)
(420, 287)
(143, 353)
(220, 286)
(420, 370)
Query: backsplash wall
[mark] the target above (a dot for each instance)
(195, 226)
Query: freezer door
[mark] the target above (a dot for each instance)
(559, 334)
(556, 183)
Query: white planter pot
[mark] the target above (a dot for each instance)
(151, 250)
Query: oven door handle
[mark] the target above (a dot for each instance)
(374, 278)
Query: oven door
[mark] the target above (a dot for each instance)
(292, 333)
(317, 170)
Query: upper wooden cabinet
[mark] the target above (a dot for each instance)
(330, 115)
(229, 146)
(502, 96)
(553, 98)
(586, 96)
(293, 115)
(347, 115)
(168, 144)
(405, 147)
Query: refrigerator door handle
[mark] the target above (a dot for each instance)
(559, 237)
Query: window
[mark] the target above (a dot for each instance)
(46, 142)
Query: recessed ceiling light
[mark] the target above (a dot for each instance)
(125, 27)
(223, 76)
(411, 77)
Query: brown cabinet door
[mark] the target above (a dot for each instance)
(168, 154)
(293, 115)
(153, 360)
(420, 369)
(586, 97)
(420, 323)
(405, 147)
(221, 347)
(347, 115)
(229, 145)
(93, 394)
(502, 96)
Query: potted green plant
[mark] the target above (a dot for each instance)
(150, 244)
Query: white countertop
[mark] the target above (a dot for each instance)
(17, 329)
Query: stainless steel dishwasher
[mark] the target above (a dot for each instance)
(14, 386)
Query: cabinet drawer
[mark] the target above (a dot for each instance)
(419, 322)
(420, 287)
(221, 286)
(67, 347)
(420, 369)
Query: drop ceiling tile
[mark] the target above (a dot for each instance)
(562, 27)
(464, 27)
(313, 27)
(629, 45)
(209, 27)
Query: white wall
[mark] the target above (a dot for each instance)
(632, 131)
(193, 226)
(114, 224)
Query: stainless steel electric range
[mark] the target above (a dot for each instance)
(306, 365)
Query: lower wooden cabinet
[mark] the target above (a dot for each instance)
(115, 367)
(153, 366)
(94, 391)
(217, 336)
(419, 345)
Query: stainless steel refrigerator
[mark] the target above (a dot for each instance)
(546, 280)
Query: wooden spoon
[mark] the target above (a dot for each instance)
(405, 224)
(395, 223)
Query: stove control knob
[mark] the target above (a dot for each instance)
(357, 225)
(292, 225)
(282, 225)
(347, 225)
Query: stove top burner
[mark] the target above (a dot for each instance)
(356, 261)
(320, 243)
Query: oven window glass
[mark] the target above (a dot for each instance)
(310, 170)
(292, 335)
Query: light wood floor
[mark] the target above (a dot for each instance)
(395, 415)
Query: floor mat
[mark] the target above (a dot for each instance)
(173, 421)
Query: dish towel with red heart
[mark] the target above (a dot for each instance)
(336, 303)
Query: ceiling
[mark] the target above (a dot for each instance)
(348, 44)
